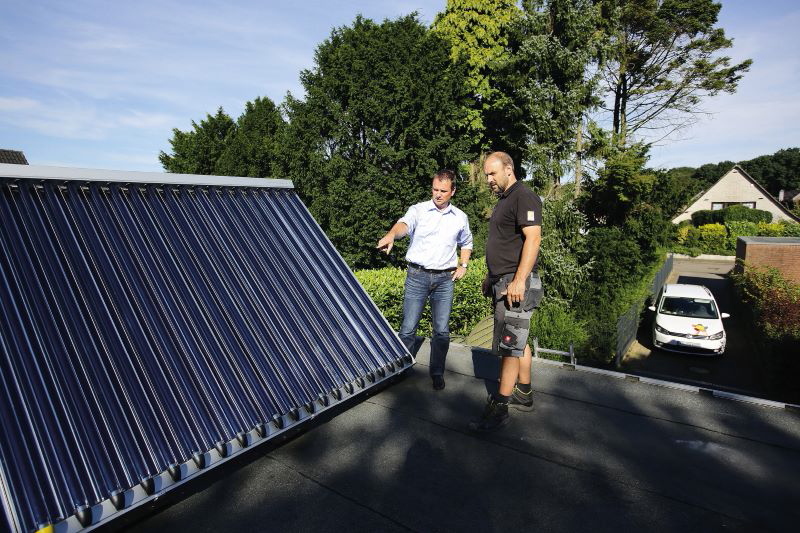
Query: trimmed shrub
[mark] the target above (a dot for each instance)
(386, 285)
(738, 229)
(702, 217)
(713, 238)
(741, 213)
(556, 326)
(770, 230)
(730, 214)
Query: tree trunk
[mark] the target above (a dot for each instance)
(578, 156)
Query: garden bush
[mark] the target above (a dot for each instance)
(730, 214)
(713, 238)
(790, 229)
(770, 229)
(702, 217)
(738, 229)
(556, 326)
(741, 213)
(385, 286)
(770, 306)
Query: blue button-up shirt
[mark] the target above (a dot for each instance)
(434, 234)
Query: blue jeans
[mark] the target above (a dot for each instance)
(438, 288)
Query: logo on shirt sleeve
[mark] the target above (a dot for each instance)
(531, 216)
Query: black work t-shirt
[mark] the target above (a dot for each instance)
(518, 207)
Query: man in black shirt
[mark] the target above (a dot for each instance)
(512, 251)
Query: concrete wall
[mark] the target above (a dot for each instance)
(782, 253)
(734, 187)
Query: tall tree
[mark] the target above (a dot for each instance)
(384, 109)
(478, 32)
(547, 84)
(218, 145)
(664, 63)
(196, 151)
(254, 147)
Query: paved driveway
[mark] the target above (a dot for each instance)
(735, 371)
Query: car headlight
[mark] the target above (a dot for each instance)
(716, 336)
(662, 330)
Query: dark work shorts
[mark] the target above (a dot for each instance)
(512, 324)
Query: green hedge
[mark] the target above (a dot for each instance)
(730, 214)
(719, 239)
(556, 326)
(770, 308)
(385, 286)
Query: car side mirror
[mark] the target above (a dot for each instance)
(725, 315)
(652, 308)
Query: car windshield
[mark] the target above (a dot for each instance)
(689, 307)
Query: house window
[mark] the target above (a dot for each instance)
(715, 206)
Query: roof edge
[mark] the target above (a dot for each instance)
(41, 172)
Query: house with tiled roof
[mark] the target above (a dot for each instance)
(12, 157)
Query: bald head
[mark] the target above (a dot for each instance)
(503, 157)
(499, 170)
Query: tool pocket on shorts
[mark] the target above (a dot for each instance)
(514, 334)
(533, 293)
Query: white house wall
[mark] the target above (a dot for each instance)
(734, 187)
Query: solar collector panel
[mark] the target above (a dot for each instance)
(144, 324)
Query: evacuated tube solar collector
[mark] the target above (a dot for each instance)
(154, 325)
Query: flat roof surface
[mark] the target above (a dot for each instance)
(771, 240)
(596, 454)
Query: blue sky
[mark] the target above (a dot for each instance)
(101, 84)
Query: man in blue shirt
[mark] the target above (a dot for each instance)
(436, 228)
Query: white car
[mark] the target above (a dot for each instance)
(688, 320)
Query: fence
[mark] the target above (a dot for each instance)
(537, 350)
(628, 323)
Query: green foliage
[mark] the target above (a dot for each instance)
(477, 31)
(775, 299)
(738, 229)
(248, 147)
(770, 230)
(664, 62)
(702, 217)
(770, 308)
(790, 229)
(621, 186)
(547, 85)
(385, 288)
(730, 214)
(386, 285)
(384, 110)
(563, 250)
(714, 238)
(777, 171)
(740, 212)
(556, 326)
(254, 147)
(672, 190)
(197, 151)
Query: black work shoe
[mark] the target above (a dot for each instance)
(438, 382)
(495, 416)
(521, 401)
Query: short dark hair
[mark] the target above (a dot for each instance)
(504, 158)
(446, 175)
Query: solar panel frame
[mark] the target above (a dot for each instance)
(138, 261)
